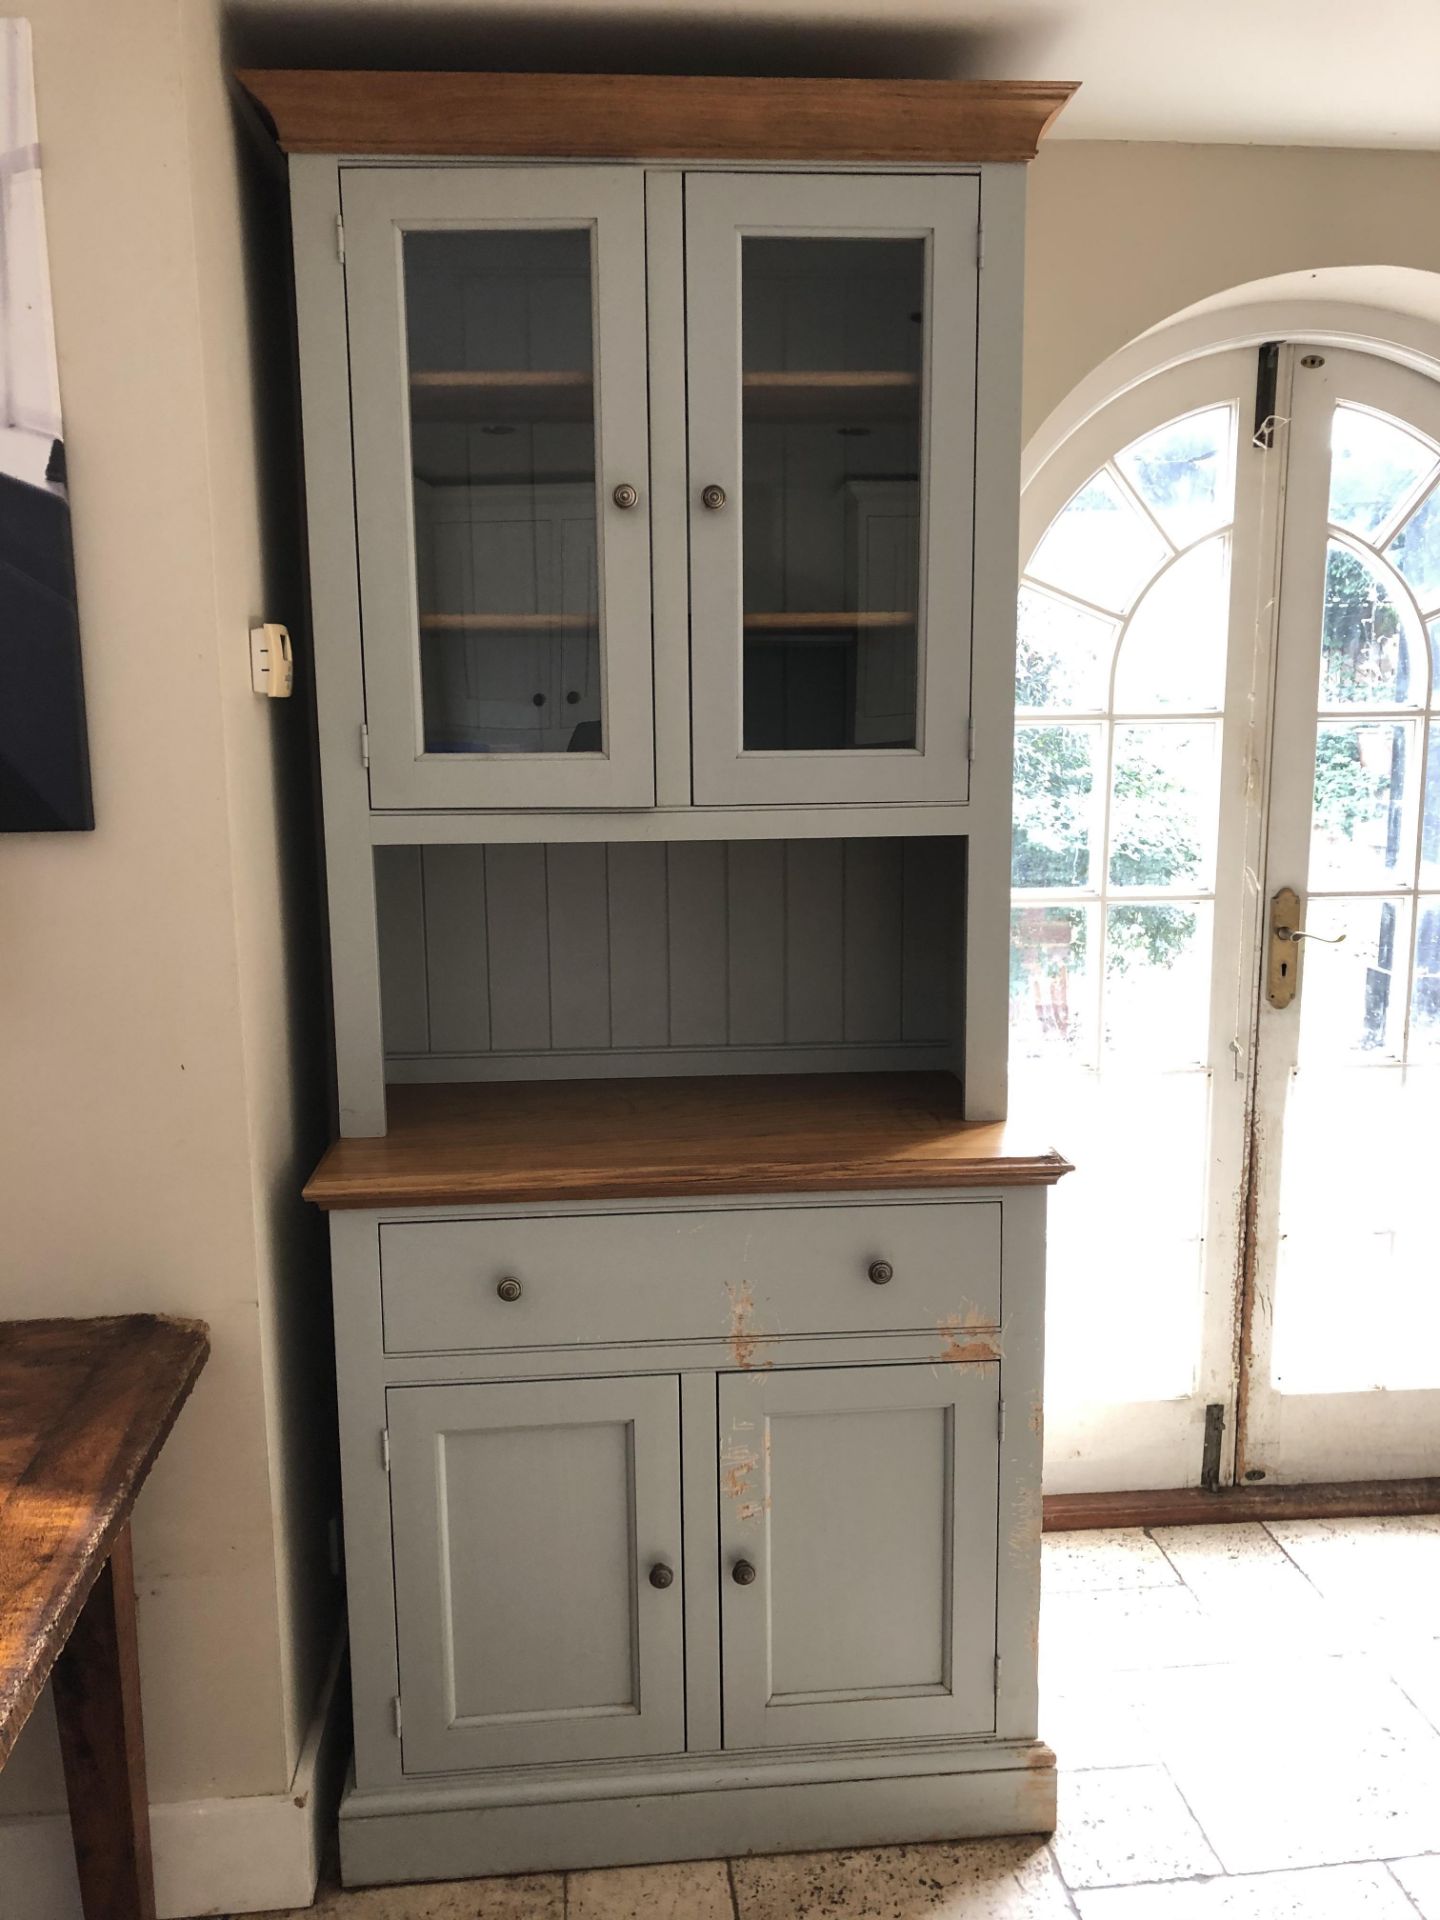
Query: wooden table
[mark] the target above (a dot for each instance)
(85, 1406)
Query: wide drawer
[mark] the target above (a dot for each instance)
(746, 1277)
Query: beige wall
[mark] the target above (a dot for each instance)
(157, 1116)
(1123, 235)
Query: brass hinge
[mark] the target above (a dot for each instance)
(398, 1721)
(385, 1448)
(979, 243)
(1000, 1417)
(340, 238)
(997, 1673)
(970, 739)
(364, 745)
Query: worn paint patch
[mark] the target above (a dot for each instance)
(738, 1466)
(958, 1343)
(1025, 1534)
(744, 1341)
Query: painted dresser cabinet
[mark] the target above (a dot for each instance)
(661, 446)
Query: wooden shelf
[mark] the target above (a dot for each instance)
(793, 629)
(831, 397)
(492, 1142)
(503, 397)
(508, 623)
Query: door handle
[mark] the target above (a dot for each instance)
(1282, 966)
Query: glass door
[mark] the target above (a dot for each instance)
(498, 377)
(831, 355)
(1342, 1343)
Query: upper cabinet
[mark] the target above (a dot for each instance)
(662, 437)
(500, 349)
(499, 413)
(831, 335)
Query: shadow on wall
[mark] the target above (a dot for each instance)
(572, 39)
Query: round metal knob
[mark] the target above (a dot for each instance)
(743, 1574)
(509, 1288)
(712, 497)
(881, 1272)
(662, 1576)
(625, 495)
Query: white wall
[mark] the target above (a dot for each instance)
(1122, 235)
(160, 1046)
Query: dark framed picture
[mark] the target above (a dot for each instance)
(44, 759)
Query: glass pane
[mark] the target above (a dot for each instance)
(1352, 997)
(1100, 547)
(1051, 1000)
(1185, 473)
(1416, 552)
(1375, 466)
(1173, 653)
(1162, 807)
(1359, 835)
(1123, 1297)
(833, 335)
(1357, 1192)
(502, 435)
(1367, 652)
(1425, 996)
(1054, 805)
(1062, 654)
(1157, 983)
(1430, 819)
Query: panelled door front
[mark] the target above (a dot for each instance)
(831, 332)
(499, 409)
(537, 1571)
(858, 1524)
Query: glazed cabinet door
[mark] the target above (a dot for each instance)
(858, 1520)
(498, 396)
(537, 1571)
(831, 341)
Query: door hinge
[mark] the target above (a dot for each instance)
(385, 1448)
(997, 1673)
(1210, 1458)
(399, 1721)
(364, 745)
(340, 238)
(1000, 1417)
(970, 741)
(979, 243)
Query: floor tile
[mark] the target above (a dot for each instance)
(977, 1880)
(1093, 1723)
(532, 1896)
(1315, 1893)
(694, 1890)
(1384, 1572)
(1421, 1880)
(1243, 1577)
(1102, 1558)
(1310, 1762)
(1127, 1629)
(1414, 1665)
(1123, 1824)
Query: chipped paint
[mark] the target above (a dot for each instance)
(744, 1341)
(738, 1463)
(1025, 1533)
(956, 1346)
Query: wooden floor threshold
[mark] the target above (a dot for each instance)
(1194, 1507)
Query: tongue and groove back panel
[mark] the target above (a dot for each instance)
(521, 962)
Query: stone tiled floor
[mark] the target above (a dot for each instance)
(1247, 1720)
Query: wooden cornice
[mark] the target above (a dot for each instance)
(571, 116)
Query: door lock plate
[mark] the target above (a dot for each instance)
(1283, 950)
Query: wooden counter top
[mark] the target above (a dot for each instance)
(495, 1142)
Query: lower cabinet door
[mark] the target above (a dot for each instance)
(534, 1527)
(858, 1521)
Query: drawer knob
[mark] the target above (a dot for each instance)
(712, 497)
(661, 1575)
(881, 1272)
(625, 495)
(743, 1573)
(509, 1288)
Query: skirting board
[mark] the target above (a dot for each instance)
(384, 1841)
(211, 1856)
